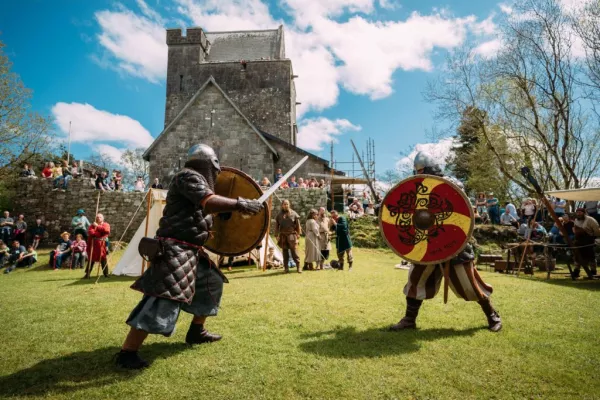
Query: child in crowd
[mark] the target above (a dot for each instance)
(79, 248)
(272, 261)
(139, 185)
(3, 253)
(27, 171)
(47, 171)
(37, 233)
(29, 258)
(62, 251)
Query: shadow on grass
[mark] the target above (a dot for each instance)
(581, 283)
(350, 343)
(262, 275)
(78, 371)
(92, 280)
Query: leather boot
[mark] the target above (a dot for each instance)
(341, 265)
(198, 335)
(410, 319)
(349, 266)
(494, 321)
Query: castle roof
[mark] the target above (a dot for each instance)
(246, 45)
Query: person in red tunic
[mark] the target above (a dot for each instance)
(97, 234)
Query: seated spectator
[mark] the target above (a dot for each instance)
(17, 251)
(293, 183)
(75, 170)
(538, 232)
(370, 210)
(56, 171)
(529, 210)
(272, 261)
(62, 251)
(322, 184)
(284, 185)
(47, 171)
(4, 252)
(27, 171)
(37, 233)
(157, 184)
(356, 202)
(29, 258)
(7, 225)
(139, 185)
(100, 182)
(555, 236)
(301, 183)
(507, 219)
(355, 211)
(313, 183)
(62, 182)
(264, 183)
(278, 175)
(79, 248)
(20, 229)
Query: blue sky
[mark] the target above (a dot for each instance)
(363, 64)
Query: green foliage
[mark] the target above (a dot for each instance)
(318, 335)
(468, 136)
(365, 233)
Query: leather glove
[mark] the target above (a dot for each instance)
(246, 206)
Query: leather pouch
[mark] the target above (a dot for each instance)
(150, 248)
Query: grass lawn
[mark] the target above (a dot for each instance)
(319, 335)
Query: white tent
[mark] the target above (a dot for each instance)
(131, 262)
(587, 194)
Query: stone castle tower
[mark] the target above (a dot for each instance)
(234, 91)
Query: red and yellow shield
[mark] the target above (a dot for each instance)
(426, 219)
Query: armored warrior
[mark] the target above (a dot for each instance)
(424, 280)
(287, 231)
(181, 276)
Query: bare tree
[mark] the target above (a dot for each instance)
(586, 23)
(23, 134)
(135, 165)
(533, 110)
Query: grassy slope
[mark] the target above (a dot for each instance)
(316, 335)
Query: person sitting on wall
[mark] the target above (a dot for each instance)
(293, 183)
(62, 251)
(37, 233)
(100, 181)
(157, 184)
(47, 171)
(27, 171)
(302, 184)
(139, 185)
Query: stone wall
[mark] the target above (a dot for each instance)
(236, 144)
(262, 90)
(35, 198)
(288, 158)
(301, 201)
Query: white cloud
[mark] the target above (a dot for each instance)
(438, 150)
(90, 125)
(485, 27)
(505, 8)
(489, 49)
(109, 151)
(314, 133)
(136, 43)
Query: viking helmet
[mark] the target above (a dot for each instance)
(200, 155)
(427, 163)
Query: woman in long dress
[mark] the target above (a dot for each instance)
(312, 253)
(325, 225)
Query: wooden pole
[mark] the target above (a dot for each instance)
(446, 280)
(268, 233)
(92, 246)
(148, 205)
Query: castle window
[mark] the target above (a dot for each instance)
(181, 83)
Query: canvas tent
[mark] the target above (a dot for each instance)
(132, 264)
(587, 194)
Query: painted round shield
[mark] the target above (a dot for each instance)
(426, 219)
(233, 234)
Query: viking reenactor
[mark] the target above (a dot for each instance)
(325, 225)
(429, 221)
(312, 251)
(586, 230)
(181, 276)
(98, 233)
(287, 231)
(343, 243)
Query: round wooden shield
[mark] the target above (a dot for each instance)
(426, 219)
(234, 234)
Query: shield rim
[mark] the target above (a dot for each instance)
(457, 189)
(267, 215)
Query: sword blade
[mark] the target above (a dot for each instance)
(276, 185)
